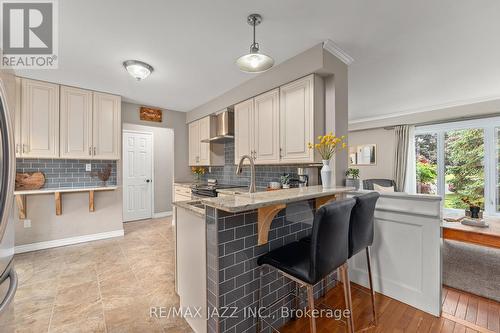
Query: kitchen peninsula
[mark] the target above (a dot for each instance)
(237, 229)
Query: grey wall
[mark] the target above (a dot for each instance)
(171, 119)
(305, 63)
(384, 139)
(163, 142)
(432, 114)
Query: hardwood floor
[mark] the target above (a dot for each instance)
(462, 313)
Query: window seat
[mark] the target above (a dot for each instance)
(472, 268)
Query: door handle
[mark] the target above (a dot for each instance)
(148, 180)
(13, 281)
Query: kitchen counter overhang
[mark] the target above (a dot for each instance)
(250, 201)
(268, 204)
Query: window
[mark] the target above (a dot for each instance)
(426, 167)
(460, 161)
(464, 168)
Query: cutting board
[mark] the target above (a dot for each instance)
(29, 181)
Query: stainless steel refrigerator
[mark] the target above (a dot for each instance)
(8, 277)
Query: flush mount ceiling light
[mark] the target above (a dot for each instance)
(254, 62)
(138, 69)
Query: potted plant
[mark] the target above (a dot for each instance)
(198, 173)
(475, 206)
(353, 180)
(285, 181)
(327, 146)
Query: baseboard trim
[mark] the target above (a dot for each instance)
(67, 241)
(162, 214)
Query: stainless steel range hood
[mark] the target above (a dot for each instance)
(224, 123)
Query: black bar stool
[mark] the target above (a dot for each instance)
(307, 263)
(361, 234)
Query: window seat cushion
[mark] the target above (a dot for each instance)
(472, 268)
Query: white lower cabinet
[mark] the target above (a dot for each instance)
(191, 265)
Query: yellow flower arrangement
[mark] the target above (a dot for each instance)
(328, 145)
(200, 171)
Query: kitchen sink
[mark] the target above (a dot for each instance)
(196, 204)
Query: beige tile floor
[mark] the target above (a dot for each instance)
(102, 286)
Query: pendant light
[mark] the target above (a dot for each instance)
(254, 62)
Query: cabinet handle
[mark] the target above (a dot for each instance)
(281, 154)
(95, 150)
(90, 151)
(17, 148)
(25, 148)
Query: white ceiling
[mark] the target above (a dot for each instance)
(409, 54)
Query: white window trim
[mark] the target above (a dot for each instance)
(490, 156)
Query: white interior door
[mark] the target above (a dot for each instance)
(137, 176)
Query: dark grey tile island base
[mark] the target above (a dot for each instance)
(232, 271)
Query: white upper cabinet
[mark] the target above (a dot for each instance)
(106, 126)
(301, 118)
(76, 123)
(17, 118)
(204, 153)
(243, 128)
(39, 119)
(276, 127)
(194, 143)
(53, 121)
(266, 140)
(204, 128)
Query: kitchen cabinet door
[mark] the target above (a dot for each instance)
(297, 120)
(106, 126)
(17, 118)
(39, 119)
(76, 123)
(266, 128)
(194, 143)
(204, 127)
(243, 128)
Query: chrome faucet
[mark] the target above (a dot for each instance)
(252, 187)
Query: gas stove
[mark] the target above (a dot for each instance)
(210, 188)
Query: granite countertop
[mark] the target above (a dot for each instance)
(191, 205)
(238, 190)
(249, 201)
(186, 183)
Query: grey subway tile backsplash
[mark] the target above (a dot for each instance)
(66, 173)
(264, 173)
